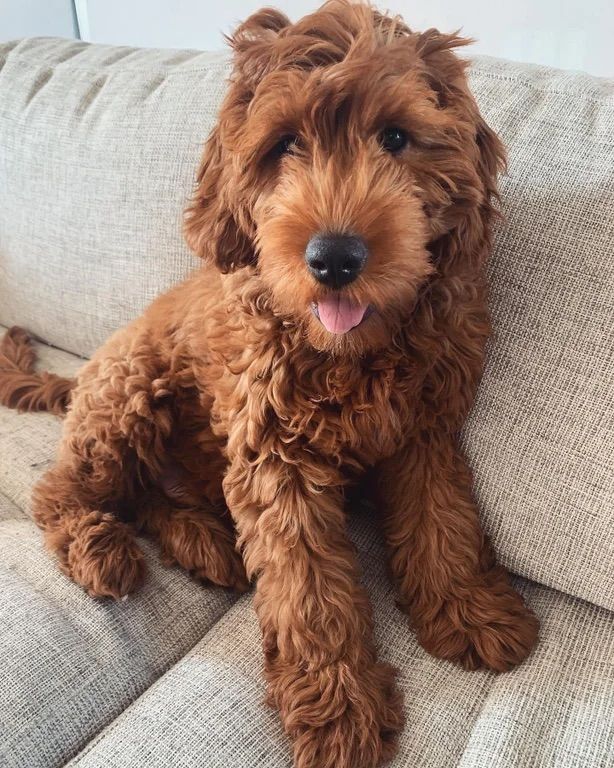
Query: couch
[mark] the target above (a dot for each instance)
(98, 148)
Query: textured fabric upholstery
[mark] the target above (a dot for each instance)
(98, 148)
(70, 664)
(541, 433)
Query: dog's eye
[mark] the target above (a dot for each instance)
(393, 139)
(285, 146)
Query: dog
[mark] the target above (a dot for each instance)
(344, 210)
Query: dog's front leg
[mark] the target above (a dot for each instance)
(459, 600)
(337, 703)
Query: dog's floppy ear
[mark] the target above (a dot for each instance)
(446, 75)
(217, 223)
(212, 224)
(468, 239)
(492, 155)
(252, 42)
(261, 25)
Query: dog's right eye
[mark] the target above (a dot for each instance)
(393, 139)
(285, 146)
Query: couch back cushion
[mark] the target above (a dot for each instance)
(98, 149)
(541, 435)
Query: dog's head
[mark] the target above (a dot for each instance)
(349, 166)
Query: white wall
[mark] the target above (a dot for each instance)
(32, 18)
(573, 34)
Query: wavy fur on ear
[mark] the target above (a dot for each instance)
(261, 27)
(212, 225)
(446, 74)
(217, 225)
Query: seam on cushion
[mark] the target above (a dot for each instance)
(44, 342)
(16, 503)
(60, 349)
(542, 581)
(478, 708)
(12, 503)
(87, 748)
(606, 101)
(102, 725)
(476, 712)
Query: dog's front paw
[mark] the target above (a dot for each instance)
(338, 717)
(491, 627)
(102, 556)
(209, 554)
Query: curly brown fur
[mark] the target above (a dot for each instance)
(231, 389)
(20, 386)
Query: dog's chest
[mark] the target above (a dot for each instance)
(349, 414)
(355, 428)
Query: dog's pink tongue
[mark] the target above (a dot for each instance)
(338, 314)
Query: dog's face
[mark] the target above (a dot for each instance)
(349, 161)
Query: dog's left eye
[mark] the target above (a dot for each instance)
(393, 139)
(285, 146)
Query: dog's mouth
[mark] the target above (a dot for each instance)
(339, 314)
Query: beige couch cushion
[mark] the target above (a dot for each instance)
(98, 147)
(541, 435)
(71, 664)
(555, 711)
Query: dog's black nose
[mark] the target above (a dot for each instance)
(336, 260)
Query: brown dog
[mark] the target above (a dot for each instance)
(343, 213)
